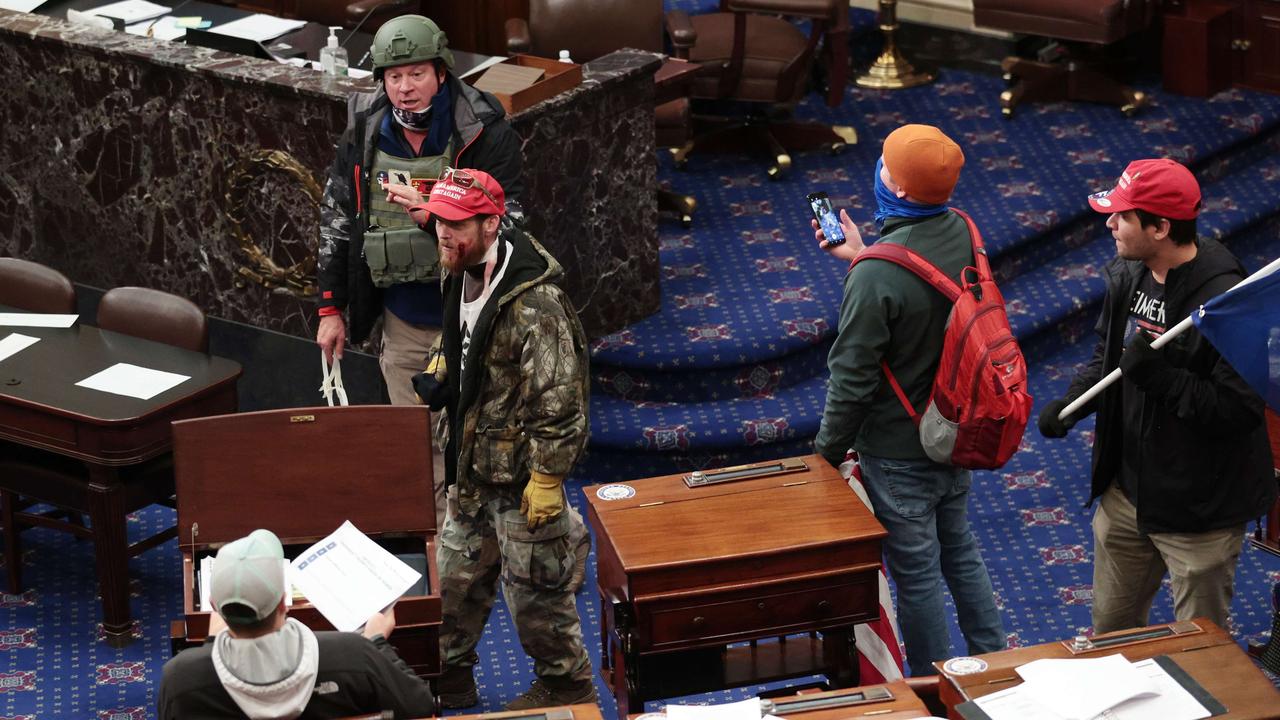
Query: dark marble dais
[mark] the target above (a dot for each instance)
(128, 161)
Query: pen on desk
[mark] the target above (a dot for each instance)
(877, 712)
(1193, 648)
(1003, 679)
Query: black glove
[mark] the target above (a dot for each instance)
(1050, 425)
(1144, 365)
(434, 393)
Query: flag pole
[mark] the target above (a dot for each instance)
(1160, 342)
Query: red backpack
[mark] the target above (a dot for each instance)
(979, 405)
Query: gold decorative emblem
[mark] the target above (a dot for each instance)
(298, 279)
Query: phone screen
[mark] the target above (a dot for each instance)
(826, 217)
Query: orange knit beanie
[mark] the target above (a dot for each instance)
(923, 161)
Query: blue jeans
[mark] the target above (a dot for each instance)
(924, 506)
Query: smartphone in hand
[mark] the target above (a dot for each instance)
(820, 204)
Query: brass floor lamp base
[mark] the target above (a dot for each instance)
(891, 71)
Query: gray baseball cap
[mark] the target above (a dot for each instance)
(248, 578)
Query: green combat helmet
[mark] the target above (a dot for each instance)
(409, 39)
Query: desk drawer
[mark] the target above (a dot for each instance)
(708, 620)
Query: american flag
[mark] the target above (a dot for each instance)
(879, 643)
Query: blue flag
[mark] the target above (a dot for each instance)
(1243, 323)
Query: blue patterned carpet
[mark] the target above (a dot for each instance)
(733, 368)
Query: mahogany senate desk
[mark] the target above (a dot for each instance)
(75, 447)
(301, 473)
(765, 557)
(890, 701)
(1205, 651)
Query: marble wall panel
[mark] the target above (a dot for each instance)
(128, 161)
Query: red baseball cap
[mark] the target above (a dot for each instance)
(460, 194)
(1162, 187)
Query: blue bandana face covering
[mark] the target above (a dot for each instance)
(890, 205)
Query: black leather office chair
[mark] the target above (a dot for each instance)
(1087, 30)
(33, 287)
(752, 52)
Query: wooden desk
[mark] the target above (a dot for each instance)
(568, 712)
(683, 572)
(302, 472)
(902, 705)
(1208, 654)
(41, 407)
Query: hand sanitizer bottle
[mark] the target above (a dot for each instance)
(333, 57)
(564, 57)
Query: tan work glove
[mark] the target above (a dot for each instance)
(543, 499)
(430, 386)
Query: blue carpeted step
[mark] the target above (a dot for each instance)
(791, 413)
(1047, 297)
(734, 362)
(747, 288)
(740, 381)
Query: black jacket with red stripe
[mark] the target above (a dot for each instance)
(487, 143)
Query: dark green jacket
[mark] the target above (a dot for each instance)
(890, 314)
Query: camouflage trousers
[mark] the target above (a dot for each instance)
(476, 550)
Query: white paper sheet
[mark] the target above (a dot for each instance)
(1013, 704)
(1158, 695)
(133, 381)
(165, 28)
(349, 577)
(1172, 703)
(258, 27)
(21, 319)
(21, 5)
(1081, 688)
(130, 11)
(748, 709)
(15, 342)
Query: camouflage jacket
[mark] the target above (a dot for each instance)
(524, 403)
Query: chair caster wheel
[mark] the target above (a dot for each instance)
(686, 222)
(837, 148)
(780, 168)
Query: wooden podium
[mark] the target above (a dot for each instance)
(301, 473)
(1201, 648)
(774, 553)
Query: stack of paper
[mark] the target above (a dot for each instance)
(130, 11)
(1107, 688)
(21, 5)
(258, 27)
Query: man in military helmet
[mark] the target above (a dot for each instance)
(374, 259)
